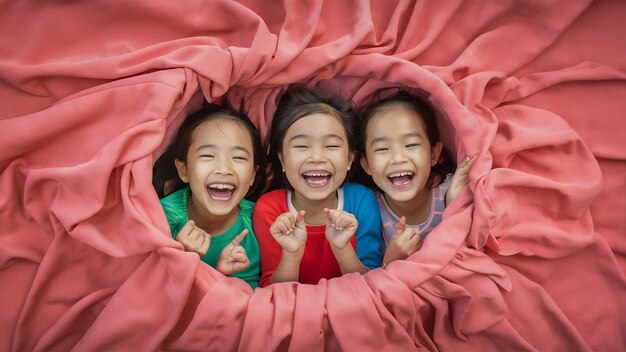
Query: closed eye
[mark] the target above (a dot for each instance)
(377, 150)
(333, 146)
(300, 146)
(412, 145)
(206, 156)
(240, 158)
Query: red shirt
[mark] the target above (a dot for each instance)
(318, 260)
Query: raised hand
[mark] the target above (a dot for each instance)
(340, 227)
(233, 257)
(194, 239)
(404, 242)
(290, 232)
(459, 179)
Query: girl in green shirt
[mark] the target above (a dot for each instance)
(215, 160)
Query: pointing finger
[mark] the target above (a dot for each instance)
(237, 240)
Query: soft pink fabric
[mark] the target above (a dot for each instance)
(530, 257)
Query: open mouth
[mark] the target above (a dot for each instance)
(316, 179)
(220, 191)
(401, 178)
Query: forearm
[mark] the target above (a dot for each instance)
(348, 260)
(288, 268)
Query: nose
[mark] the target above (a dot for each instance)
(398, 156)
(223, 167)
(316, 155)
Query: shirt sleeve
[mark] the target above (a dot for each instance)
(368, 236)
(265, 212)
(175, 217)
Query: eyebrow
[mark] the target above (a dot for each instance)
(330, 135)
(211, 146)
(406, 135)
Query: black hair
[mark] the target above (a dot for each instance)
(424, 110)
(165, 175)
(298, 102)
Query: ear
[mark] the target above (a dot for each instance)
(181, 167)
(351, 156)
(436, 153)
(256, 169)
(365, 165)
(280, 157)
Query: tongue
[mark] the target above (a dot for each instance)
(401, 180)
(316, 181)
(220, 193)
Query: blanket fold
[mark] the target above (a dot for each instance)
(530, 256)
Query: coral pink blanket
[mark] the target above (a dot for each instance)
(530, 257)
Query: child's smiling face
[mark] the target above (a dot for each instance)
(315, 156)
(398, 154)
(220, 166)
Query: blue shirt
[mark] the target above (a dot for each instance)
(360, 201)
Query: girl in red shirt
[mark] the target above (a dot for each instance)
(318, 227)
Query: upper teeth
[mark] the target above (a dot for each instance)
(320, 174)
(400, 174)
(222, 186)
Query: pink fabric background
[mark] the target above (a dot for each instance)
(530, 257)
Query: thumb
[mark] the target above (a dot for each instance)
(400, 226)
(329, 217)
(238, 253)
(465, 166)
(300, 219)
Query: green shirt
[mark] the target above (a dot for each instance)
(175, 207)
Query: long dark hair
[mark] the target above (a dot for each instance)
(165, 175)
(425, 110)
(296, 103)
